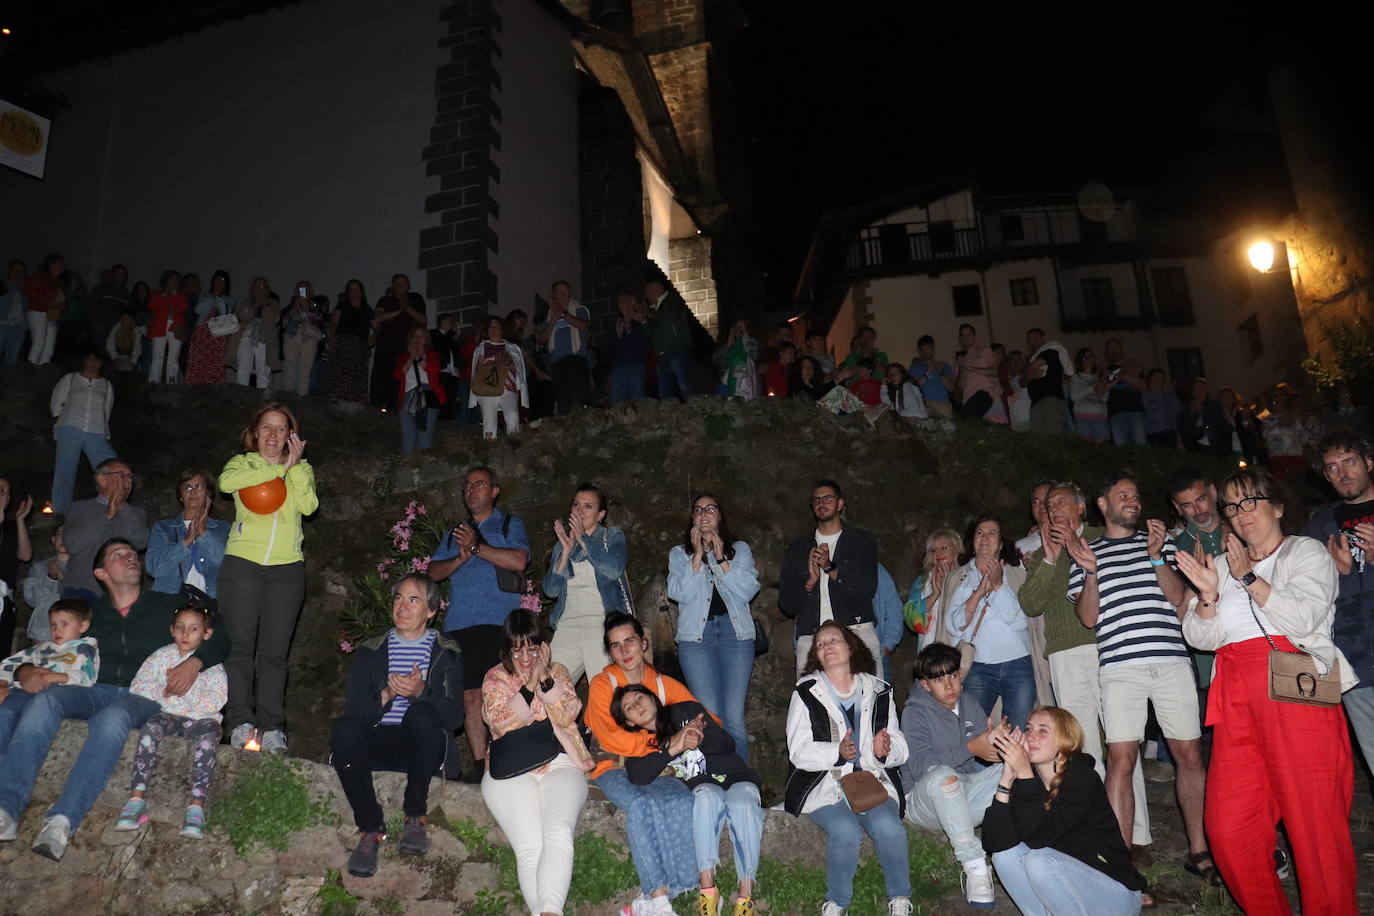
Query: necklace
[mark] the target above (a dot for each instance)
(1255, 559)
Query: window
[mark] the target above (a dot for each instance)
(942, 237)
(1185, 364)
(1172, 302)
(1013, 230)
(1098, 299)
(967, 300)
(1024, 292)
(1251, 344)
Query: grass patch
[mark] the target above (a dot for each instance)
(333, 899)
(268, 801)
(603, 871)
(1170, 884)
(801, 888)
(489, 901)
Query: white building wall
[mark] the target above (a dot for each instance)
(285, 144)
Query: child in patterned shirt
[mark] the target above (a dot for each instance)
(195, 715)
(69, 658)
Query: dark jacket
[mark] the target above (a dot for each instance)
(1354, 625)
(125, 642)
(1209, 421)
(851, 591)
(443, 689)
(1079, 823)
(716, 746)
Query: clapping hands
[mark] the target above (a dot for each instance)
(1011, 747)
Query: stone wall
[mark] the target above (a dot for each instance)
(611, 204)
(690, 272)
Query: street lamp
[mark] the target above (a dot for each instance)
(1262, 256)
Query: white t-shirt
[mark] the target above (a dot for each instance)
(829, 540)
(1234, 606)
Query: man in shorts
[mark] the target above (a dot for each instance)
(1124, 587)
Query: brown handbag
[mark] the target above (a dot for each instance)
(1294, 678)
(863, 791)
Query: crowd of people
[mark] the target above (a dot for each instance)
(1040, 662)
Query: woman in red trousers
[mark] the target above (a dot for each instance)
(1272, 760)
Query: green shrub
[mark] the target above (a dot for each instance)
(268, 801)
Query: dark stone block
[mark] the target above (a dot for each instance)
(435, 236)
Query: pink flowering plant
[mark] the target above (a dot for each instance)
(411, 542)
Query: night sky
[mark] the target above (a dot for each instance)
(853, 106)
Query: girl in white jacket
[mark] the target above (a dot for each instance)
(841, 720)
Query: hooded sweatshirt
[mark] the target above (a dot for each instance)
(273, 539)
(938, 736)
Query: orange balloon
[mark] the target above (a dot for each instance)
(265, 498)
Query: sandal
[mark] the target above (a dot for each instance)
(1147, 901)
(1194, 865)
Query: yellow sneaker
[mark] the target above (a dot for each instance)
(744, 906)
(708, 904)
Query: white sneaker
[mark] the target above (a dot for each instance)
(899, 906)
(978, 890)
(9, 827)
(831, 908)
(53, 838)
(273, 741)
(638, 907)
(240, 735)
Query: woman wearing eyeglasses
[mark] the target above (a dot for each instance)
(189, 549)
(712, 578)
(1272, 760)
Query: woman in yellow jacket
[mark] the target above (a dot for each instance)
(262, 580)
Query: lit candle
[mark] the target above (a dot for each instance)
(47, 508)
(252, 743)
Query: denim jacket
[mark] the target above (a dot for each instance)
(169, 559)
(692, 591)
(606, 549)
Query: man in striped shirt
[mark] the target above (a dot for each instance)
(1124, 587)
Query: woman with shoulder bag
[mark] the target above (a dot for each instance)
(535, 783)
(1275, 755)
(587, 578)
(988, 625)
(205, 364)
(847, 749)
(713, 579)
(420, 392)
(498, 380)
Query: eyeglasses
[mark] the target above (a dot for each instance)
(193, 487)
(706, 510)
(525, 651)
(1246, 505)
(825, 500)
(474, 485)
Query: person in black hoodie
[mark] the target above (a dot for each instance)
(702, 754)
(403, 703)
(1055, 842)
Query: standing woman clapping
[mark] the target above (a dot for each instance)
(713, 579)
(262, 580)
(587, 578)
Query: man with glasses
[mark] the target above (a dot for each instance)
(92, 522)
(1346, 527)
(469, 557)
(830, 575)
(1124, 586)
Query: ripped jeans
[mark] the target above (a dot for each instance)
(204, 735)
(955, 809)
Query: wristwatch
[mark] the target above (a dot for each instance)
(474, 548)
(1248, 579)
(830, 567)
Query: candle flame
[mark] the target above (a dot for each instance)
(252, 744)
(47, 508)
(1242, 464)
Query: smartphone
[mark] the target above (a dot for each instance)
(302, 291)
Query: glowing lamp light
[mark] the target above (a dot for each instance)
(5, 31)
(1241, 464)
(47, 508)
(1262, 256)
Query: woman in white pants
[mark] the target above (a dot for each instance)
(536, 782)
(498, 380)
(46, 303)
(167, 317)
(300, 339)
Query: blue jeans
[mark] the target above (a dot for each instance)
(10, 712)
(1359, 709)
(12, 342)
(110, 713)
(1013, 682)
(740, 805)
(1094, 428)
(627, 383)
(955, 809)
(1047, 882)
(71, 443)
(843, 832)
(658, 826)
(1128, 428)
(675, 375)
(718, 670)
(412, 437)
